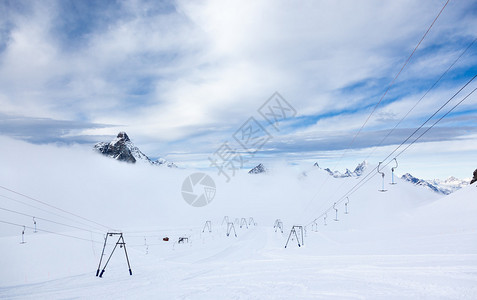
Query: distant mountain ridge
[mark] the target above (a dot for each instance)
(358, 171)
(444, 187)
(122, 149)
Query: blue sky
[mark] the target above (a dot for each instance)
(180, 77)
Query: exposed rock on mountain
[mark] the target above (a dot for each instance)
(358, 171)
(475, 177)
(444, 187)
(122, 149)
(260, 168)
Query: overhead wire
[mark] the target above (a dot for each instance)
(55, 207)
(47, 211)
(365, 179)
(52, 232)
(423, 96)
(382, 97)
(47, 220)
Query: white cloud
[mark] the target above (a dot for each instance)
(190, 74)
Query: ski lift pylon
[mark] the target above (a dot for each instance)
(382, 175)
(392, 171)
(336, 211)
(231, 226)
(293, 231)
(314, 225)
(207, 225)
(225, 220)
(278, 225)
(346, 205)
(243, 221)
(23, 235)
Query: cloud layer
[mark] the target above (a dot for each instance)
(181, 77)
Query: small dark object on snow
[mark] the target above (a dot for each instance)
(166, 239)
(183, 240)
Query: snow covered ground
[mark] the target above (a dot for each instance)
(406, 243)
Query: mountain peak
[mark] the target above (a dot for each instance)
(260, 168)
(122, 149)
(444, 187)
(358, 171)
(123, 136)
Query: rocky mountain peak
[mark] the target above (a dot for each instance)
(123, 149)
(474, 179)
(260, 168)
(444, 187)
(358, 171)
(122, 136)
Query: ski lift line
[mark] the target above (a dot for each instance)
(405, 116)
(349, 193)
(361, 183)
(46, 220)
(385, 93)
(428, 119)
(49, 212)
(364, 180)
(52, 232)
(423, 96)
(141, 233)
(392, 83)
(52, 206)
(454, 107)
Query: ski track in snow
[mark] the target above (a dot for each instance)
(256, 266)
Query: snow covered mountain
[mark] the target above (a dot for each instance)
(358, 171)
(260, 168)
(407, 243)
(444, 187)
(122, 149)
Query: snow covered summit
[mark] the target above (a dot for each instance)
(444, 187)
(122, 149)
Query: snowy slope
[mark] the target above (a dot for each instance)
(405, 243)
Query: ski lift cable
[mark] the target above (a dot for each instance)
(428, 119)
(423, 96)
(47, 220)
(49, 212)
(455, 106)
(365, 179)
(52, 232)
(402, 119)
(395, 78)
(57, 208)
(392, 82)
(382, 97)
